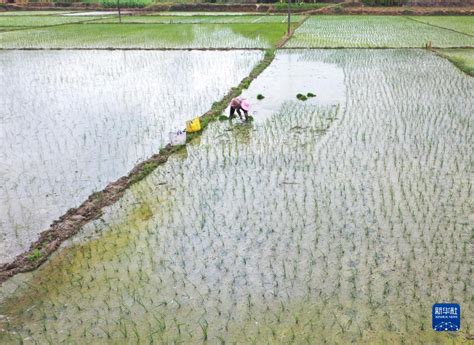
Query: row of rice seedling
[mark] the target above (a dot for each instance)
(112, 256)
(27, 21)
(256, 35)
(68, 132)
(322, 223)
(463, 24)
(374, 31)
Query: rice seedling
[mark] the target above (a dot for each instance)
(374, 31)
(301, 97)
(15, 21)
(94, 106)
(92, 35)
(463, 24)
(314, 219)
(461, 58)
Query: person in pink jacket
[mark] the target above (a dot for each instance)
(237, 104)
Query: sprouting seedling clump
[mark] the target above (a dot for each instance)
(310, 94)
(301, 97)
(260, 96)
(35, 255)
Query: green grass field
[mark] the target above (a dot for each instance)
(258, 35)
(464, 24)
(374, 31)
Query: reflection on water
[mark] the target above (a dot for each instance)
(290, 75)
(321, 224)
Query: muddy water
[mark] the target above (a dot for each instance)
(324, 223)
(70, 122)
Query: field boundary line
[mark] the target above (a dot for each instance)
(378, 48)
(132, 49)
(223, 49)
(286, 38)
(437, 26)
(176, 23)
(459, 65)
(75, 218)
(14, 28)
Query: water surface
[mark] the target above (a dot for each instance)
(71, 122)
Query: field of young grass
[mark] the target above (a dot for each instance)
(464, 24)
(374, 31)
(71, 122)
(256, 35)
(332, 221)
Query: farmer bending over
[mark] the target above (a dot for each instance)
(237, 104)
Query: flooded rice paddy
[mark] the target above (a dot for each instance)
(288, 76)
(71, 122)
(325, 222)
(198, 19)
(379, 31)
(141, 36)
(45, 20)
